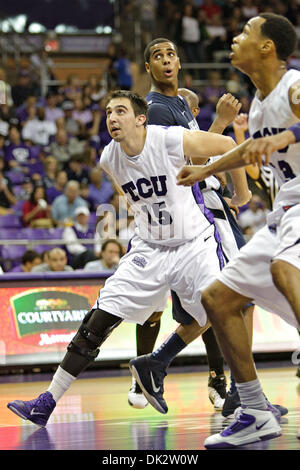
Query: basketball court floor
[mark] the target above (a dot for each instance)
(94, 413)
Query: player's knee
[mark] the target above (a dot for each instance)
(94, 330)
(280, 273)
(210, 299)
(155, 317)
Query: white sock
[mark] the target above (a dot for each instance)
(251, 395)
(61, 382)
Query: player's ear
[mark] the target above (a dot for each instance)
(267, 47)
(140, 120)
(179, 64)
(147, 67)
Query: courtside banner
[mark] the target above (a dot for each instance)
(48, 311)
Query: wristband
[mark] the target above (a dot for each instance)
(295, 129)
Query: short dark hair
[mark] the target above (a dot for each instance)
(152, 43)
(29, 256)
(140, 106)
(281, 31)
(112, 240)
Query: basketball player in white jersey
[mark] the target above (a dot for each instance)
(267, 269)
(175, 246)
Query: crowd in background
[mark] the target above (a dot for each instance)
(50, 146)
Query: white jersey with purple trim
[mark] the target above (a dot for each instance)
(165, 213)
(269, 117)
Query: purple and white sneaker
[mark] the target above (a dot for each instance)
(37, 411)
(249, 426)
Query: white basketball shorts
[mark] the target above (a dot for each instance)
(249, 272)
(147, 271)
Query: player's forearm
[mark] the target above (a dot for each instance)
(230, 161)
(218, 126)
(239, 179)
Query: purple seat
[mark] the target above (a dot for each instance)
(18, 208)
(10, 234)
(10, 221)
(41, 248)
(11, 256)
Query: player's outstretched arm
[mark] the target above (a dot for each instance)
(199, 145)
(234, 158)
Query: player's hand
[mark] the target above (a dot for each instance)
(240, 123)
(189, 175)
(265, 146)
(227, 108)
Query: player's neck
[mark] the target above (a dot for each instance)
(167, 89)
(134, 144)
(266, 78)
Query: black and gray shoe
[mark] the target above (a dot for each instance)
(150, 375)
(217, 390)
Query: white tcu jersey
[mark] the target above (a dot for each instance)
(165, 213)
(269, 117)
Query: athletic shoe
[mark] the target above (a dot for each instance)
(149, 374)
(232, 402)
(136, 398)
(37, 411)
(249, 426)
(217, 390)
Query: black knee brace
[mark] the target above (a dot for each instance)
(86, 342)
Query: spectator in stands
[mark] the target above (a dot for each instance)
(63, 147)
(39, 130)
(100, 189)
(79, 254)
(27, 110)
(18, 155)
(255, 216)
(210, 8)
(26, 189)
(217, 37)
(57, 261)
(7, 89)
(75, 169)
(29, 260)
(52, 112)
(51, 168)
(97, 89)
(3, 135)
(122, 68)
(23, 88)
(71, 125)
(73, 88)
(36, 211)
(110, 255)
(81, 113)
(213, 92)
(64, 206)
(84, 193)
(249, 9)
(7, 197)
(189, 33)
(58, 188)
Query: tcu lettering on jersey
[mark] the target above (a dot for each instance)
(146, 187)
